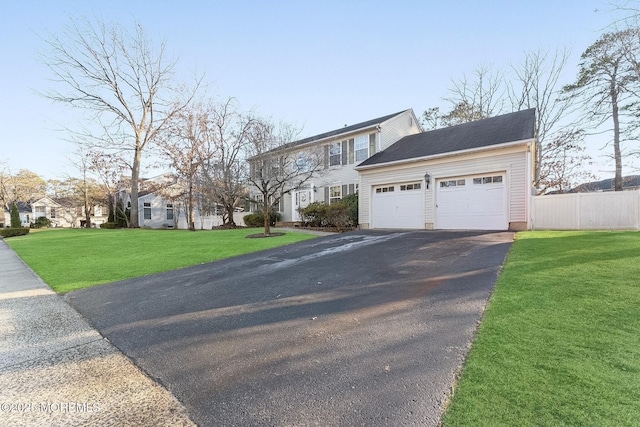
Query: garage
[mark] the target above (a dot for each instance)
(398, 206)
(472, 203)
(474, 176)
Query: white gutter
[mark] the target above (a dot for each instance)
(449, 154)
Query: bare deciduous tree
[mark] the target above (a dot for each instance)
(532, 83)
(563, 159)
(277, 166)
(109, 168)
(84, 190)
(123, 81)
(475, 98)
(224, 173)
(186, 141)
(536, 84)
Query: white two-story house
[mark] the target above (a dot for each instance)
(343, 149)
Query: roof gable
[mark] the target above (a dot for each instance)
(496, 130)
(46, 201)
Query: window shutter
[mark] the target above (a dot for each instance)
(372, 144)
(351, 150)
(326, 194)
(344, 190)
(326, 156)
(352, 188)
(345, 152)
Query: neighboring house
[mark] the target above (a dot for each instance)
(67, 213)
(26, 215)
(161, 205)
(158, 212)
(477, 175)
(343, 149)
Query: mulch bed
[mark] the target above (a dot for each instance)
(259, 235)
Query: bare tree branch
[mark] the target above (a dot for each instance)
(125, 83)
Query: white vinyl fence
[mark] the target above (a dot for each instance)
(610, 210)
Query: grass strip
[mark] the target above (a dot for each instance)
(560, 341)
(70, 259)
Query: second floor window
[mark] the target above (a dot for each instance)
(335, 154)
(362, 148)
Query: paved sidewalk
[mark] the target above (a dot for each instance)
(57, 370)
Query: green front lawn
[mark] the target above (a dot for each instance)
(69, 259)
(560, 341)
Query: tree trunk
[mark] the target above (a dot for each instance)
(87, 208)
(190, 214)
(230, 219)
(267, 218)
(135, 176)
(616, 136)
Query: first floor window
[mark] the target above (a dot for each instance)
(169, 212)
(53, 212)
(147, 211)
(335, 193)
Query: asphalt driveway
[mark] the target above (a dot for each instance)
(362, 328)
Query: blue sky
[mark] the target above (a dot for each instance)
(319, 65)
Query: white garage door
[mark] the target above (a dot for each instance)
(398, 206)
(472, 203)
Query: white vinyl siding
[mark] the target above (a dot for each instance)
(396, 128)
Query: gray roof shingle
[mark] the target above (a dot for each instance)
(510, 127)
(347, 129)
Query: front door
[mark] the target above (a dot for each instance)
(301, 199)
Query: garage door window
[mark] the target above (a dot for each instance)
(452, 183)
(407, 187)
(488, 180)
(385, 189)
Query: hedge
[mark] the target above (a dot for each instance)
(256, 219)
(343, 214)
(110, 225)
(12, 232)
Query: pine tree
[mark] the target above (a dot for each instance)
(15, 217)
